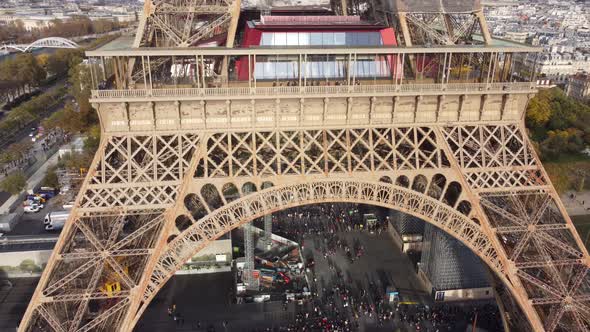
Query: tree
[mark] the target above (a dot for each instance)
(67, 119)
(60, 62)
(14, 183)
(93, 140)
(28, 265)
(538, 113)
(76, 160)
(51, 179)
(561, 125)
(29, 70)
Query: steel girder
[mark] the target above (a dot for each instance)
(482, 184)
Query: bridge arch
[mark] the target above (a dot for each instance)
(200, 233)
(50, 42)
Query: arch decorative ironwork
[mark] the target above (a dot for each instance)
(273, 199)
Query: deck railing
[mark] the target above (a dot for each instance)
(313, 90)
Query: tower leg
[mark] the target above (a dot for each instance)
(403, 22)
(483, 24)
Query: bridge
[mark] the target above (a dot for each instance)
(51, 42)
(423, 112)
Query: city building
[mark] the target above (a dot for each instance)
(579, 86)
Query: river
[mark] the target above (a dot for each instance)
(35, 52)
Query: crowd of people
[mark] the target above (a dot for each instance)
(330, 237)
(340, 303)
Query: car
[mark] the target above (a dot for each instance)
(33, 208)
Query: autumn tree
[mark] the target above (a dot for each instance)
(14, 183)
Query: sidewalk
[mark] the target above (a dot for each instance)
(32, 182)
(576, 203)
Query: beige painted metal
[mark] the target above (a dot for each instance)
(177, 168)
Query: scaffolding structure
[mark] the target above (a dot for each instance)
(268, 231)
(248, 276)
(448, 264)
(406, 224)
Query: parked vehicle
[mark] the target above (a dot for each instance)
(56, 225)
(36, 198)
(68, 205)
(56, 216)
(33, 208)
(47, 192)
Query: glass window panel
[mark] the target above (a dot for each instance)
(362, 39)
(259, 71)
(373, 68)
(339, 38)
(328, 38)
(292, 39)
(280, 39)
(358, 67)
(317, 71)
(267, 38)
(366, 68)
(270, 70)
(281, 69)
(295, 69)
(328, 69)
(316, 38)
(339, 72)
(374, 38)
(350, 38)
(303, 38)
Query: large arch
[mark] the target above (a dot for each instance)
(257, 204)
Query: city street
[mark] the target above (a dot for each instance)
(14, 298)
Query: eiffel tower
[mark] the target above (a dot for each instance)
(197, 141)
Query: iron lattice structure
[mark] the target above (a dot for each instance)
(184, 158)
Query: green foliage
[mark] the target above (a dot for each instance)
(60, 62)
(31, 111)
(20, 74)
(51, 179)
(67, 118)
(92, 140)
(28, 265)
(15, 151)
(559, 124)
(76, 161)
(14, 183)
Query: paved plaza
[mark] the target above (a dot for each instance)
(349, 290)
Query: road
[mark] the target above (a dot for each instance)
(32, 223)
(14, 298)
(23, 134)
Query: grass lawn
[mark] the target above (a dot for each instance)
(567, 172)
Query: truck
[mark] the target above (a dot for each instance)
(47, 192)
(55, 225)
(56, 216)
